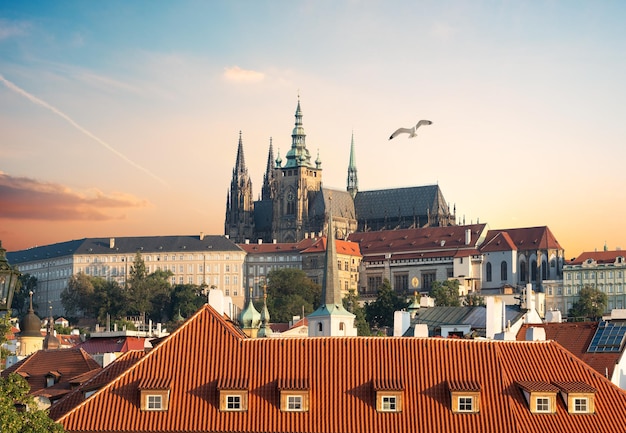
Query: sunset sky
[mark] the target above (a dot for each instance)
(121, 118)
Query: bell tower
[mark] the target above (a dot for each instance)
(297, 182)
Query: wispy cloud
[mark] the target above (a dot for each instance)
(235, 73)
(71, 121)
(9, 29)
(26, 198)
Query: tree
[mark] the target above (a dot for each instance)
(21, 298)
(5, 328)
(289, 291)
(13, 419)
(591, 304)
(380, 312)
(138, 290)
(446, 294)
(474, 300)
(351, 303)
(78, 298)
(186, 298)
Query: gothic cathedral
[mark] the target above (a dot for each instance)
(294, 205)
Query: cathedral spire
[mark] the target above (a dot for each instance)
(268, 177)
(298, 155)
(239, 224)
(353, 183)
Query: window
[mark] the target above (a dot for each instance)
(580, 405)
(542, 404)
(155, 402)
(466, 404)
(503, 271)
(233, 402)
(294, 402)
(488, 272)
(388, 404)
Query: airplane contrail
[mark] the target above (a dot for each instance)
(61, 114)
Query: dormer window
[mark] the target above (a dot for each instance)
(294, 395)
(540, 396)
(154, 394)
(578, 396)
(465, 396)
(388, 395)
(52, 377)
(233, 395)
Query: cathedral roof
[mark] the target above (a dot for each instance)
(342, 204)
(527, 238)
(393, 202)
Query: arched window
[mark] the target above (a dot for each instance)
(503, 271)
(533, 270)
(544, 270)
(319, 326)
(488, 271)
(341, 326)
(522, 271)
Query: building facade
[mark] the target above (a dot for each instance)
(602, 270)
(205, 260)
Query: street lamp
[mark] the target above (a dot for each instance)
(8, 281)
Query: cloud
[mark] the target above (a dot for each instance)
(26, 198)
(9, 29)
(235, 73)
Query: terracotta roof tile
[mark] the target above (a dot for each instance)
(340, 371)
(601, 257)
(537, 386)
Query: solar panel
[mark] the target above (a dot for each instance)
(609, 337)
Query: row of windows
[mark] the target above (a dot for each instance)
(121, 270)
(591, 275)
(574, 290)
(148, 258)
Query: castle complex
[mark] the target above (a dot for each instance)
(294, 203)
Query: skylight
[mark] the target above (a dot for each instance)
(609, 337)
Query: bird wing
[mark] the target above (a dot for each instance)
(423, 122)
(401, 131)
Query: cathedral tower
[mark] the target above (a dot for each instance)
(297, 183)
(353, 182)
(239, 224)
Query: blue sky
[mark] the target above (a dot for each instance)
(121, 118)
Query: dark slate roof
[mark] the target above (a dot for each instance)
(417, 200)
(342, 203)
(125, 245)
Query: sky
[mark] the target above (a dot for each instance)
(122, 118)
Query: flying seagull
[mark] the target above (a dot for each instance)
(410, 131)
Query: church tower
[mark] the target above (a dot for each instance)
(331, 319)
(297, 183)
(268, 177)
(239, 224)
(353, 182)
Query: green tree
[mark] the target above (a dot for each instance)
(446, 294)
(79, 297)
(5, 328)
(21, 298)
(474, 300)
(139, 290)
(13, 394)
(289, 290)
(351, 303)
(160, 294)
(186, 298)
(591, 304)
(380, 312)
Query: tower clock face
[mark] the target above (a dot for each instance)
(290, 196)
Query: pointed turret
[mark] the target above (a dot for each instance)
(51, 342)
(298, 155)
(264, 329)
(250, 318)
(268, 177)
(239, 224)
(353, 183)
(331, 318)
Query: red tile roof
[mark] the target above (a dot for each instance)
(527, 238)
(600, 257)
(340, 372)
(66, 363)
(343, 247)
(97, 345)
(575, 337)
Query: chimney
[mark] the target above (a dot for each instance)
(247, 242)
(111, 243)
(468, 236)
(273, 241)
(201, 236)
(535, 334)
(260, 241)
